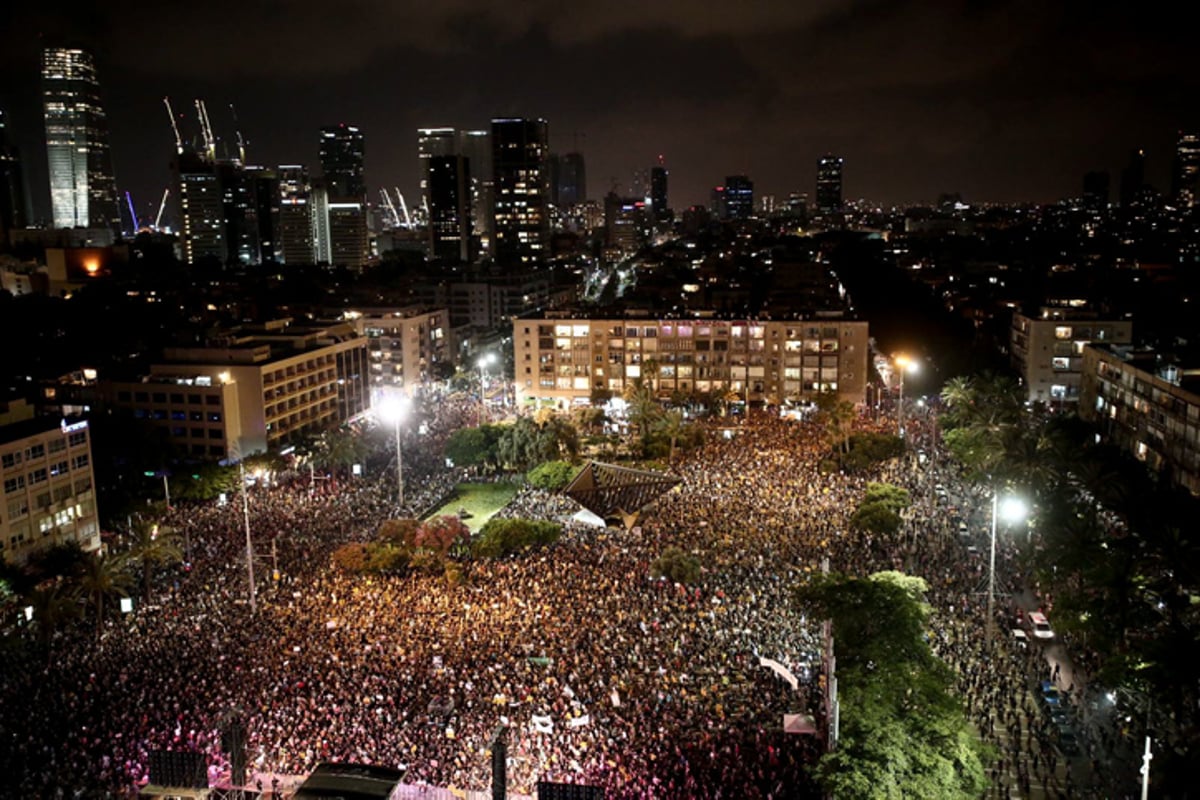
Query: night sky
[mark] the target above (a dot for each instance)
(999, 101)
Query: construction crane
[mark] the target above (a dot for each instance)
(404, 208)
(237, 128)
(210, 142)
(162, 204)
(132, 213)
(387, 202)
(174, 126)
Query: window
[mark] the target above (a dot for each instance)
(80, 461)
(42, 500)
(141, 397)
(214, 433)
(177, 398)
(38, 476)
(82, 485)
(179, 416)
(14, 484)
(58, 445)
(194, 400)
(18, 507)
(10, 460)
(159, 397)
(62, 492)
(35, 451)
(1063, 332)
(58, 468)
(1061, 363)
(212, 400)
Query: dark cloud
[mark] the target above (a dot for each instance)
(999, 100)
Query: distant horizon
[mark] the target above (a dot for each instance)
(1012, 104)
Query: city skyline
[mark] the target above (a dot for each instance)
(1010, 104)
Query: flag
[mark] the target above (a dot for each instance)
(780, 670)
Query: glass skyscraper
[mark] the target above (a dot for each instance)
(522, 196)
(83, 192)
(829, 183)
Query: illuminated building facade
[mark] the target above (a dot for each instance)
(561, 361)
(201, 208)
(738, 197)
(522, 221)
(49, 495)
(1147, 405)
(404, 344)
(1047, 350)
(83, 192)
(449, 193)
(829, 183)
(295, 226)
(342, 152)
(1185, 177)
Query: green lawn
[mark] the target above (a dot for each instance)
(481, 500)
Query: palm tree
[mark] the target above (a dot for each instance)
(102, 578)
(152, 545)
(643, 409)
(52, 606)
(671, 425)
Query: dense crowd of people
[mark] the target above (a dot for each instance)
(602, 673)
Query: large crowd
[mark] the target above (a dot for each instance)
(602, 673)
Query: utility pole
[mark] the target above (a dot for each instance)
(1145, 770)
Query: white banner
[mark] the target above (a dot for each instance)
(780, 670)
(542, 724)
(579, 722)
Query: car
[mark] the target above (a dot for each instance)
(963, 528)
(1051, 696)
(1040, 625)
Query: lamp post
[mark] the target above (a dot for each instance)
(482, 364)
(392, 409)
(1013, 509)
(249, 544)
(904, 364)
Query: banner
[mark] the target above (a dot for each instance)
(780, 670)
(579, 722)
(542, 724)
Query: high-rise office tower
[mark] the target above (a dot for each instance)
(263, 213)
(1133, 178)
(739, 197)
(83, 192)
(829, 183)
(1095, 189)
(201, 207)
(450, 208)
(14, 211)
(433, 142)
(572, 180)
(476, 147)
(296, 225)
(1185, 177)
(342, 151)
(659, 205)
(322, 248)
(522, 227)
(348, 239)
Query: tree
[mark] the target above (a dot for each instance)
(152, 546)
(441, 533)
(506, 536)
(401, 532)
(894, 497)
(877, 518)
(903, 732)
(672, 426)
(676, 565)
(204, 483)
(468, 447)
(642, 409)
(102, 578)
(53, 605)
(551, 475)
(340, 449)
(838, 418)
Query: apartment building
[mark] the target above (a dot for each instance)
(49, 487)
(1148, 405)
(1047, 350)
(404, 345)
(560, 360)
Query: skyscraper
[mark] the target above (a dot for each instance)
(296, 225)
(739, 197)
(13, 208)
(1133, 178)
(522, 228)
(342, 151)
(1095, 189)
(1185, 177)
(201, 208)
(83, 192)
(659, 205)
(572, 180)
(829, 183)
(433, 142)
(476, 147)
(449, 208)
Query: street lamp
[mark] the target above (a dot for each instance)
(393, 408)
(482, 363)
(905, 364)
(1012, 510)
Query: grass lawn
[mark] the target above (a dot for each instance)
(481, 500)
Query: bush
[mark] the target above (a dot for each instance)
(454, 574)
(896, 498)
(439, 534)
(399, 531)
(383, 557)
(869, 449)
(551, 475)
(502, 537)
(676, 565)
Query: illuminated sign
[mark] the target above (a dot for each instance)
(74, 426)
